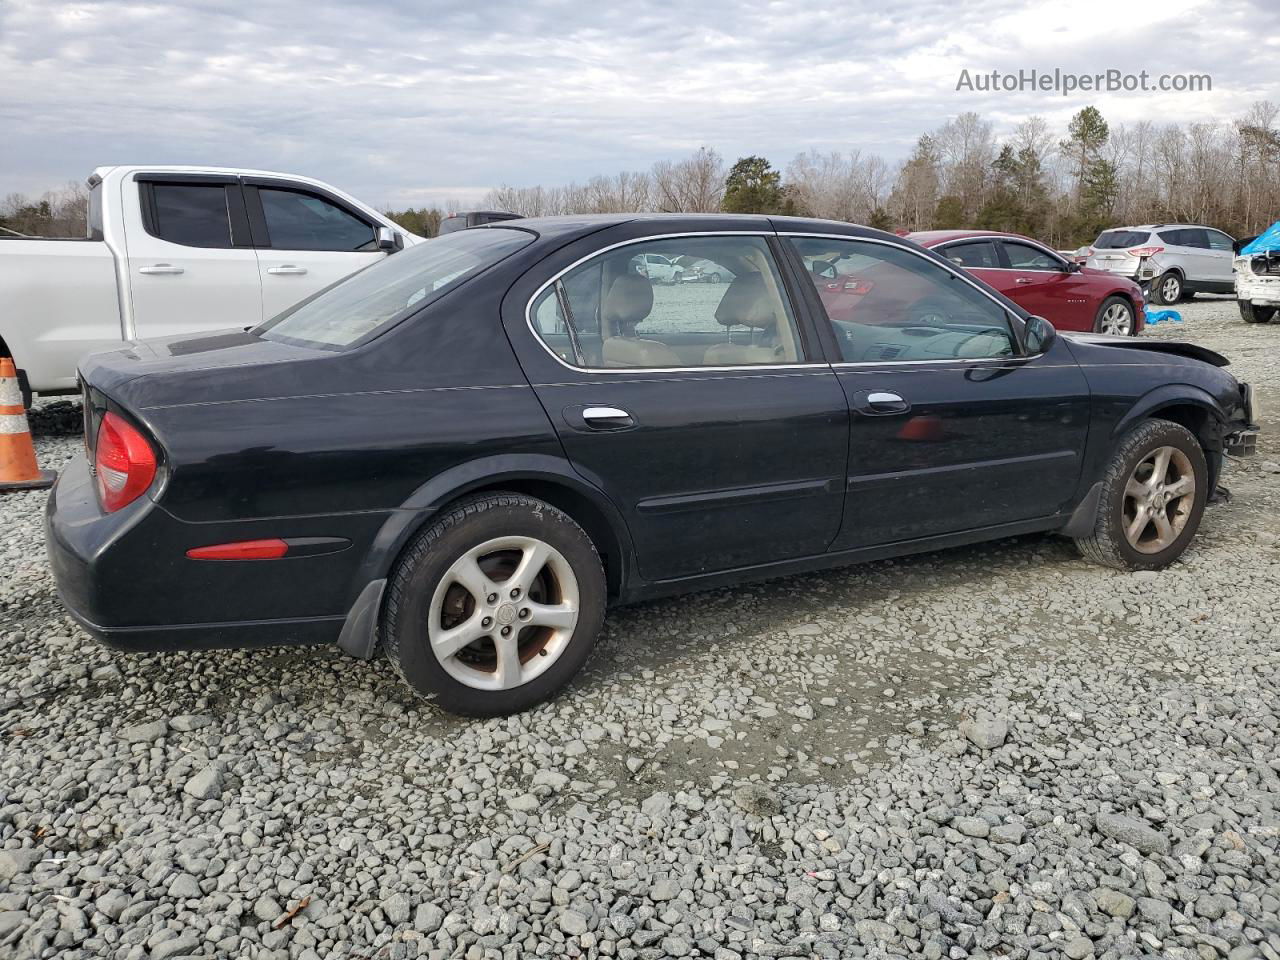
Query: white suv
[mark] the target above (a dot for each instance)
(1176, 260)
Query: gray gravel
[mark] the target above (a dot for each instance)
(990, 752)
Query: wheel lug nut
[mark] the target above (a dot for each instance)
(487, 622)
(492, 598)
(506, 631)
(515, 594)
(524, 614)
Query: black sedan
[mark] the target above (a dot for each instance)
(462, 454)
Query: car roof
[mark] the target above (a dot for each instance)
(567, 227)
(931, 238)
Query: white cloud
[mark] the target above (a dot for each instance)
(401, 102)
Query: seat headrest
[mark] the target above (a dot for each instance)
(629, 300)
(747, 303)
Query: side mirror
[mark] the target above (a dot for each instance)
(388, 240)
(1073, 267)
(1039, 334)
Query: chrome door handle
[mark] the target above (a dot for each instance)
(288, 270)
(879, 403)
(157, 268)
(606, 416)
(1024, 280)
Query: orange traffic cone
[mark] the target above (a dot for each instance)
(18, 467)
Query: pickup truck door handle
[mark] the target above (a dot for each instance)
(156, 268)
(606, 418)
(287, 270)
(879, 403)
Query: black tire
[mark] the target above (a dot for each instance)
(405, 612)
(1108, 545)
(1110, 302)
(1167, 288)
(1254, 314)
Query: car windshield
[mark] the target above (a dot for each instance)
(383, 294)
(1119, 239)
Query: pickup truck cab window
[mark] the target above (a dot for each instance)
(192, 214)
(298, 220)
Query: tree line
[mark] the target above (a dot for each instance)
(1061, 186)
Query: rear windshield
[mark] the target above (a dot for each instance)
(1119, 239)
(391, 289)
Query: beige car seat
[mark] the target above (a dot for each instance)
(746, 303)
(628, 302)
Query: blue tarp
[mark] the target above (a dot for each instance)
(1267, 242)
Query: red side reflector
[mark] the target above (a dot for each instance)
(241, 550)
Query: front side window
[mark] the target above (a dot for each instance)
(615, 311)
(380, 296)
(1023, 256)
(304, 221)
(1220, 241)
(888, 303)
(194, 215)
(972, 254)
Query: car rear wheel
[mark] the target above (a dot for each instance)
(1115, 317)
(495, 607)
(1167, 288)
(1153, 496)
(1255, 314)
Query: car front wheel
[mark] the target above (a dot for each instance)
(1254, 314)
(1115, 317)
(494, 607)
(1153, 496)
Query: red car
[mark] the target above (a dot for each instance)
(1036, 278)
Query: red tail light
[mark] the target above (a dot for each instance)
(1145, 251)
(124, 462)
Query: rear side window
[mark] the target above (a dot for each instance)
(304, 221)
(973, 254)
(378, 297)
(1120, 239)
(194, 215)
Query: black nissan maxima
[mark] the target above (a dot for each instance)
(462, 454)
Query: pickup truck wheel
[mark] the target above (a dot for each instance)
(1167, 288)
(495, 606)
(1153, 496)
(1115, 317)
(1255, 314)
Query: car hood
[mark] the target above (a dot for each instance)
(1175, 347)
(223, 364)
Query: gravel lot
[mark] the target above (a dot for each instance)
(989, 752)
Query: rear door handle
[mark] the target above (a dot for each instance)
(159, 268)
(879, 403)
(287, 270)
(606, 418)
(1024, 280)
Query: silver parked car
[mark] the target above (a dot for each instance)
(1174, 260)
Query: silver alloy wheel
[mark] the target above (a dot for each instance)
(503, 613)
(1158, 499)
(1171, 290)
(1117, 319)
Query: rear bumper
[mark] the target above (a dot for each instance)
(125, 578)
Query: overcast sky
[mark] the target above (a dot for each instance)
(414, 102)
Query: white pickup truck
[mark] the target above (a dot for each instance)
(173, 250)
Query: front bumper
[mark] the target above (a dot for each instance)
(1241, 436)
